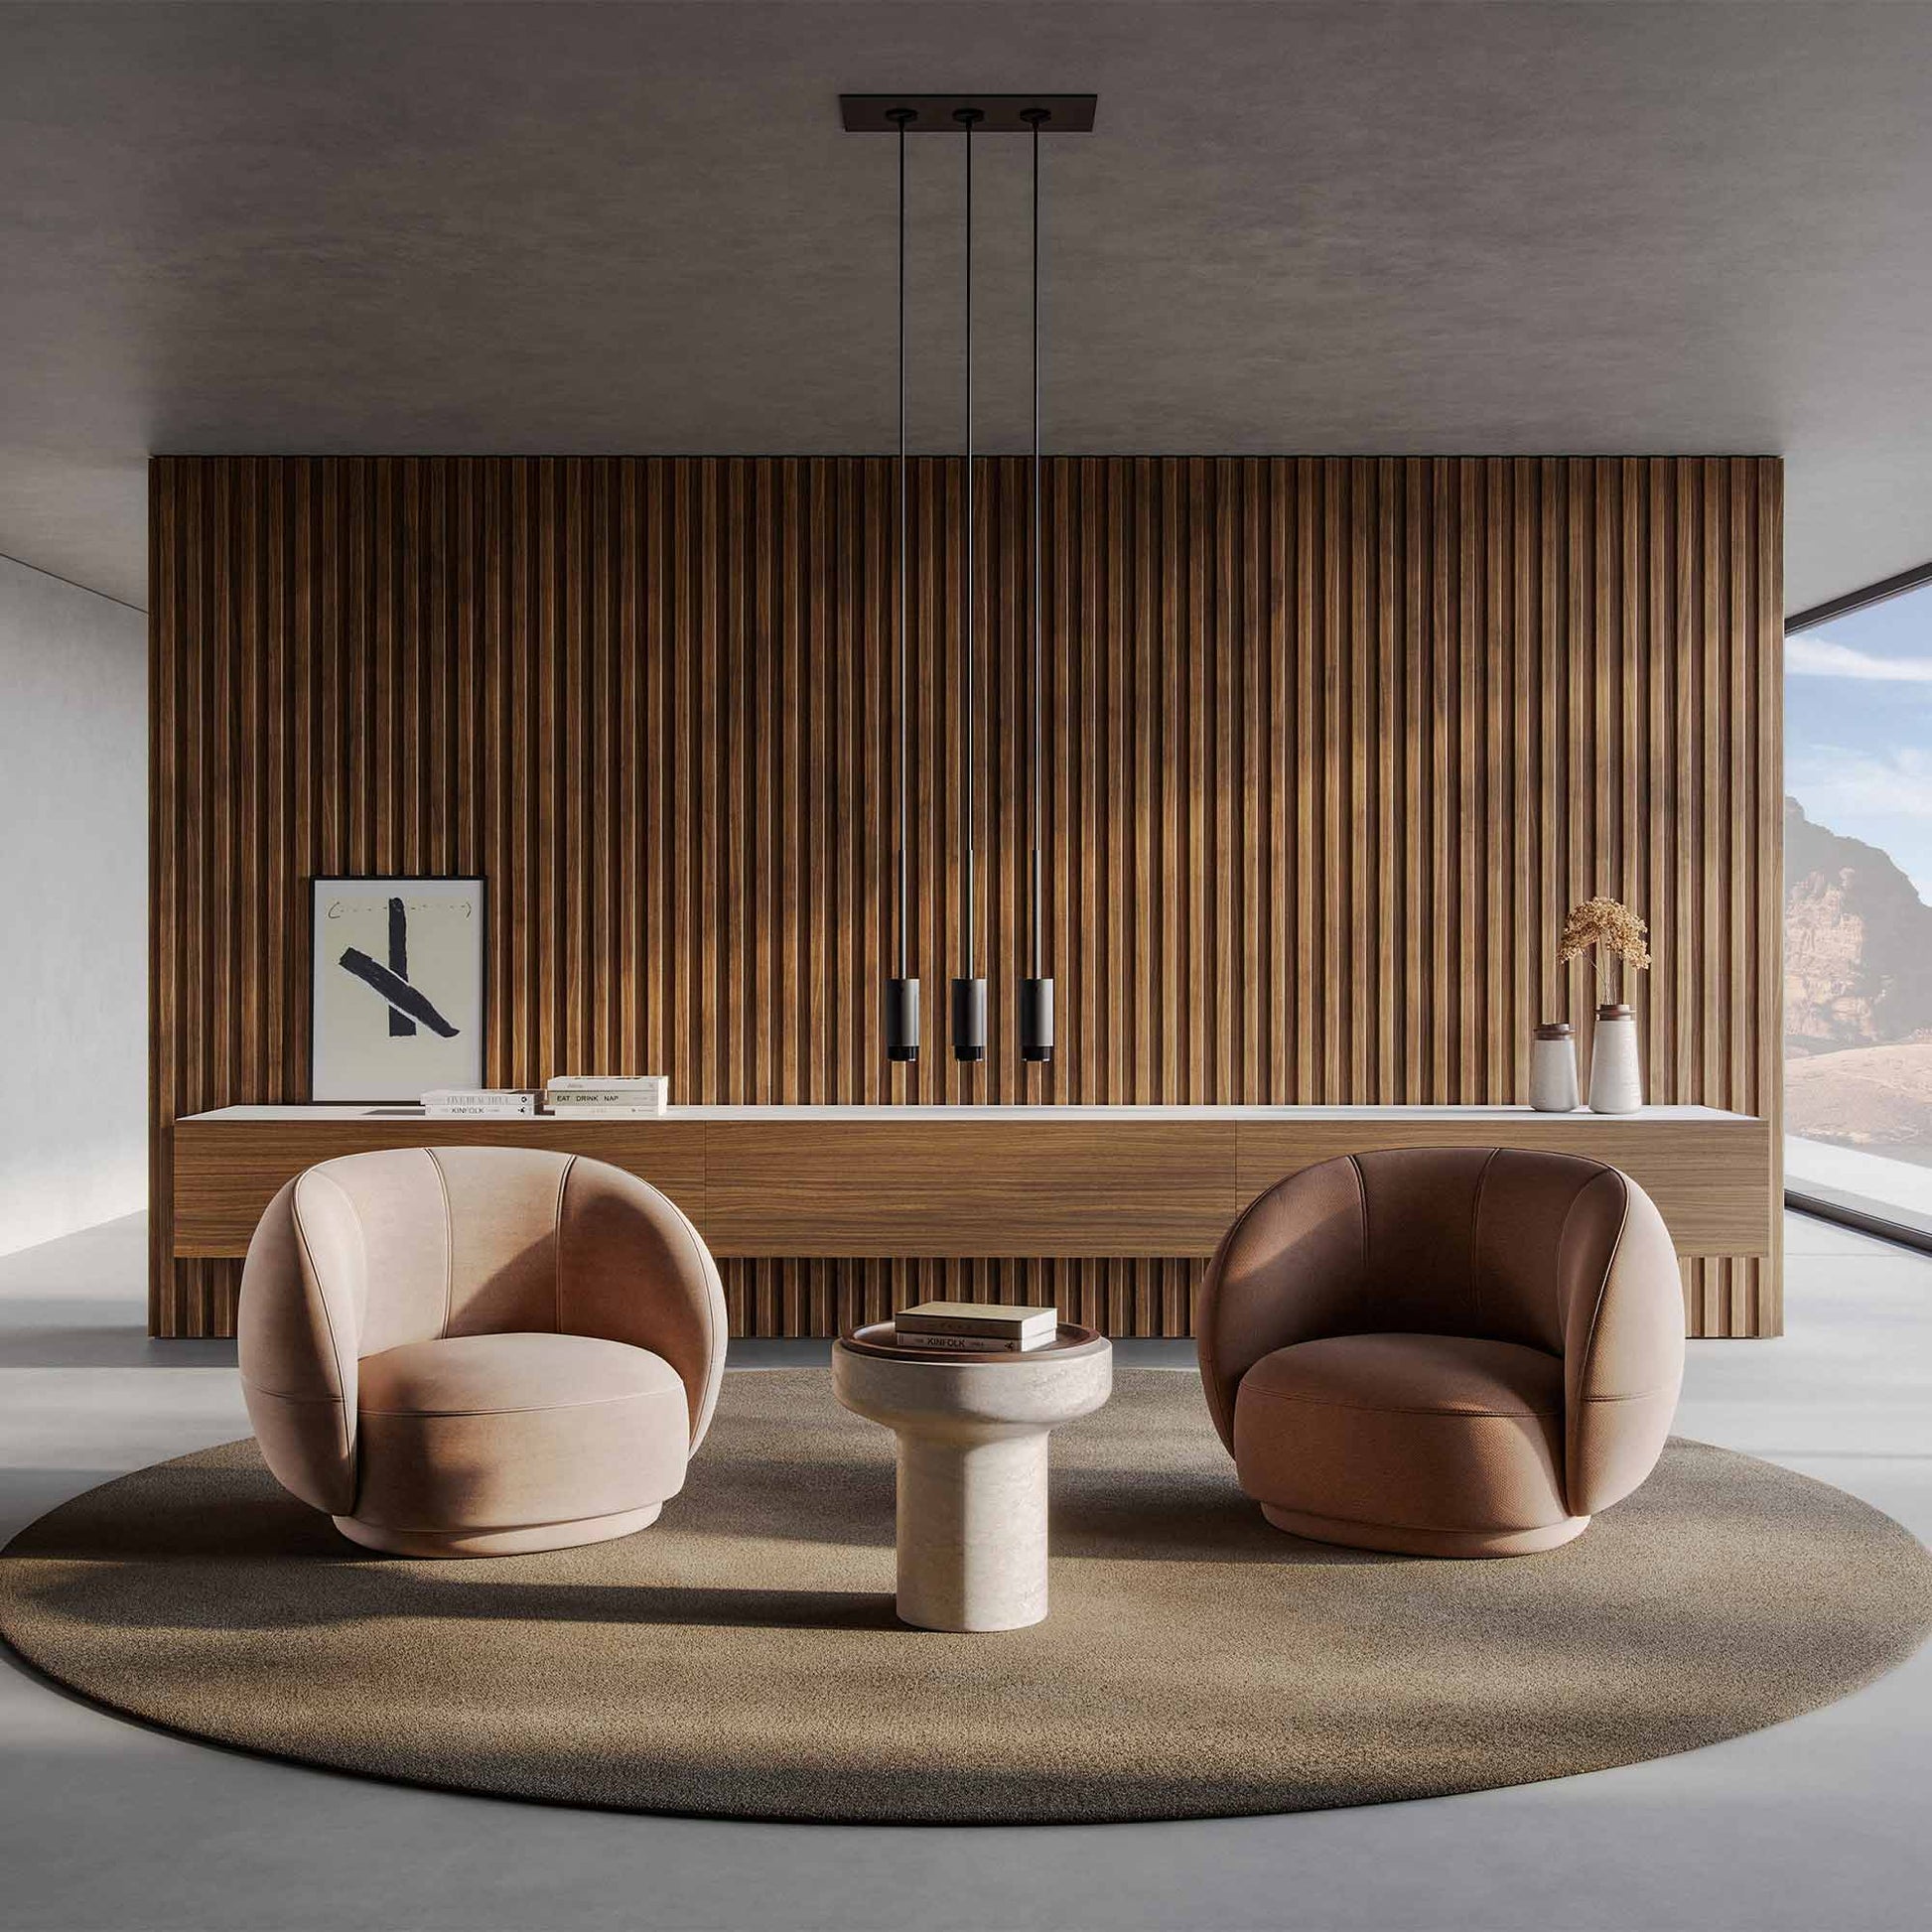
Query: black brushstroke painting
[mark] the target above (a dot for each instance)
(398, 992)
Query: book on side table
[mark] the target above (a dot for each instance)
(975, 1327)
(478, 1103)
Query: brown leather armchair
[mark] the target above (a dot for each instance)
(476, 1351)
(1447, 1352)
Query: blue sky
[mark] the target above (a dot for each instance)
(1858, 728)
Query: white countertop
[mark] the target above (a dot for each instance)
(400, 1110)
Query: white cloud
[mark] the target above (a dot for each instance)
(1820, 657)
(1835, 784)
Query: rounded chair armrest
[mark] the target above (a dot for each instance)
(304, 1289)
(1622, 1306)
(1291, 1269)
(631, 1268)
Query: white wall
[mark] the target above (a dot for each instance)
(73, 908)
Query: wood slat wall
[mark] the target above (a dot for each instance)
(1333, 745)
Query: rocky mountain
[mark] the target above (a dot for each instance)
(1857, 944)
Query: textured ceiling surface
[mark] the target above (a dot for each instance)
(1377, 228)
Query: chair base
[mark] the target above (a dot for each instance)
(1425, 1543)
(515, 1542)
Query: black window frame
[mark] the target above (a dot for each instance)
(1827, 1204)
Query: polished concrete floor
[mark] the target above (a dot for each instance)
(1821, 1823)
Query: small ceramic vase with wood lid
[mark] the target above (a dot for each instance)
(1553, 1069)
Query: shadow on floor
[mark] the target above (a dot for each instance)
(66, 1344)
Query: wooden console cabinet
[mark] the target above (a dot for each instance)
(974, 1181)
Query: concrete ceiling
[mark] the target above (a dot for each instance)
(334, 227)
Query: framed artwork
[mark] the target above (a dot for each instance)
(396, 1002)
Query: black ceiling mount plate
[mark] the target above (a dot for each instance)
(934, 113)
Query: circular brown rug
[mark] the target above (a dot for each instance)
(741, 1657)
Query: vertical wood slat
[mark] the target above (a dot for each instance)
(1332, 745)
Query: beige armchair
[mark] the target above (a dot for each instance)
(476, 1351)
(1449, 1351)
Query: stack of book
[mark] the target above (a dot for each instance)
(607, 1096)
(975, 1327)
(478, 1103)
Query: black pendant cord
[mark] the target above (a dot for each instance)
(1034, 920)
(902, 116)
(1037, 993)
(902, 993)
(966, 919)
(969, 990)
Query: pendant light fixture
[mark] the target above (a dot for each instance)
(1036, 990)
(902, 991)
(968, 990)
(993, 114)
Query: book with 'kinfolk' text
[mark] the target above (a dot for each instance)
(962, 1328)
(970, 1344)
(478, 1103)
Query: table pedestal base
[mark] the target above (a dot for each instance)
(972, 1531)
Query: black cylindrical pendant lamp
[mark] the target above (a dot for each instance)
(901, 990)
(1036, 989)
(969, 1019)
(968, 990)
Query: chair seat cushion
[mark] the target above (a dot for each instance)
(1440, 1444)
(507, 1432)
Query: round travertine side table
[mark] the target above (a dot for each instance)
(972, 1464)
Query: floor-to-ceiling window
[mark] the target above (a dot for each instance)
(1857, 919)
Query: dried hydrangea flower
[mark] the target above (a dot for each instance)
(1613, 930)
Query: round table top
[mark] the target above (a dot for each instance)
(876, 1338)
